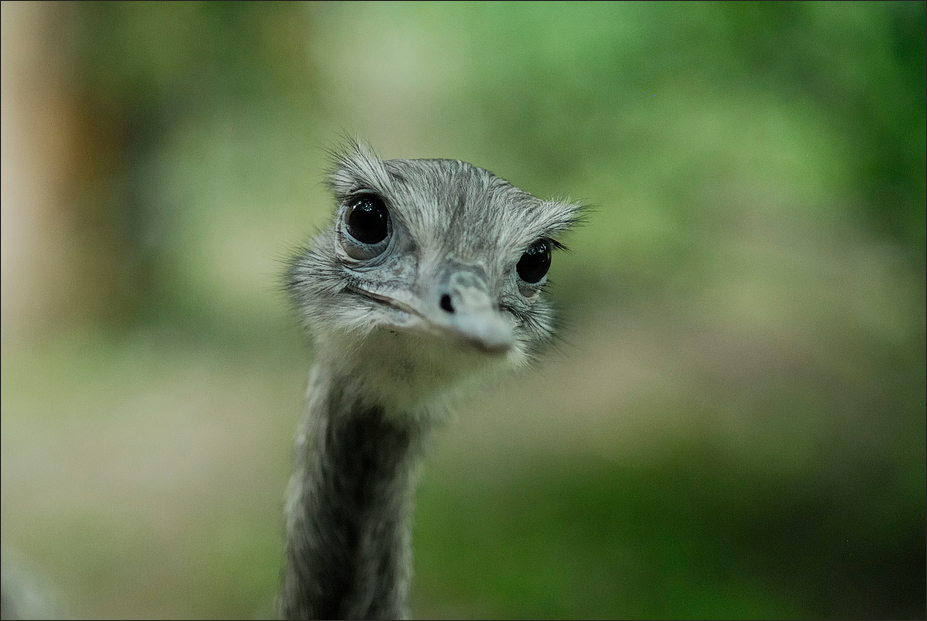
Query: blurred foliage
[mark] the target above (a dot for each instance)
(712, 538)
(756, 173)
(569, 87)
(675, 109)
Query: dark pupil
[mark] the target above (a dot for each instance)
(367, 220)
(534, 264)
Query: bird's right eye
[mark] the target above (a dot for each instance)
(367, 219)
(534, 263)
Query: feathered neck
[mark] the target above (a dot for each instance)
(349, 505)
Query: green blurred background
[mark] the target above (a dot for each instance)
(732, 427)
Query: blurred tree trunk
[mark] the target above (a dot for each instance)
(63, 262)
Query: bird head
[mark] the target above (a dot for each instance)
(432, 272)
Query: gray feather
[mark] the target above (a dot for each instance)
(401, 326)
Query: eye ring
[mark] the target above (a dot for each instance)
(533, 265)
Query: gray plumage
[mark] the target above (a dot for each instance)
(423, 284)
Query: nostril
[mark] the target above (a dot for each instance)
(446, 303)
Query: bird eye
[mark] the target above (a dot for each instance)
(533, 265)
(367, 219)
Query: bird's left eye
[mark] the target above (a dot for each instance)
(535, 262)
(365, 227)
(367, 219)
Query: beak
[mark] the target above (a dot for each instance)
(462, 306)
(458, 305)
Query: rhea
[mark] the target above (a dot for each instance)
(430, 278)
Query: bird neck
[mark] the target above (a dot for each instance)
(349, 507)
